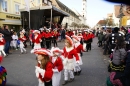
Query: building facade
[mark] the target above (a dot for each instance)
(9, 13)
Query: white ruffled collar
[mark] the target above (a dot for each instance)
(69, 49)
(77, 44)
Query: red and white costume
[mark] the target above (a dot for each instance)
(57, 67)
(68, 59)
(2, 43)
(43, 75)
(37, 40)
(22, 39)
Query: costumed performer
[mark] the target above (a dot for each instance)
(44, 69)
(69, 53)
(79, 48)
(2, 43)
(57, 65)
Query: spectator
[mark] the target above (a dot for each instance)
(8, 38)
(100, 39)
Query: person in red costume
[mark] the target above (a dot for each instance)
(2, 43)
(55, 37)
(79, 48)
(57, 65)
(68, 59)
(44, 68)
(22, 38)
(90, 39)
(37, 39)
(48, 38)
(86, 38)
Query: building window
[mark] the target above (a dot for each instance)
(16, 8)
(45, 1)
(83, 8)
(49, 3)
(4, 6)
(38, 1)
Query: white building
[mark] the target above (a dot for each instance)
(84, 9)
(82, 19)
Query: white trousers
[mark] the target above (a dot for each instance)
(14, 43)
(41, 83)
(22, 47)
(56, 79)
(77, 68)
(2, 50)
(66, 72)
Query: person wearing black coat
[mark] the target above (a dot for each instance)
(8, 37)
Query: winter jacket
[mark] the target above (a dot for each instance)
(100, 37)
(119, 56)
(7, 35)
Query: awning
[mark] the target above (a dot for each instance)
(47, 9)
(2, 19)
(12, 22)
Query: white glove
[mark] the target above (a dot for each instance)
(41, 71)
(1, 40)
(55, 70)
(37, 73)
(77, 62)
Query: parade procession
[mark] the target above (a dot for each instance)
(46, 43)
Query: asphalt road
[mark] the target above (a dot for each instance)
(21, 68)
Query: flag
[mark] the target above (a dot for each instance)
(27, 2)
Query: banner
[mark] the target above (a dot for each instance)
(27, 2)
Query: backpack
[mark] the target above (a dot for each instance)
(18, 42)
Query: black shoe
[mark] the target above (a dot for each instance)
(79, 72)
(71, 79)
(65, 82)
(75, 73)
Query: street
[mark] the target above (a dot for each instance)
(21, 68)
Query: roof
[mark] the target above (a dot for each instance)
(101, 22)
(110, 15)
(126, 10)
(47, 11)
(65, 8)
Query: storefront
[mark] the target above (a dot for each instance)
(13, 21)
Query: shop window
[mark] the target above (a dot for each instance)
(4, 5)
(16, 9)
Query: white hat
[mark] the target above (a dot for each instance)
(56, 50)
(75, 38)
(86, 30)
(42, 51)
(36, 31)
(69, 39)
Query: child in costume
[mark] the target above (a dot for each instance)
(22, 38)
(79, 48)
(37, 39)
(44, 69)
(57, 66)
(68, 59)
(3, 74)
(2, 43)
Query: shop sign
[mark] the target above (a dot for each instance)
(12, 17)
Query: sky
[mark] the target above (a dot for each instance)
(96, 9)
